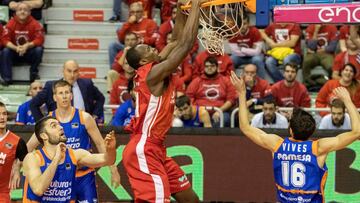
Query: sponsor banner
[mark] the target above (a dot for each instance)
(88, 15)
(84, 44)
(87, 72)
(318, 13)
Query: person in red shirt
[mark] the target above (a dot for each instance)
(23, 41)
(321, 42)
(351, 55)
(167, 10)
(246, 47)
(148, 6)
(213, 89)
(224, 61)
(131, 40)
(144, 28)
(153, 176)
(347, 80)
(289, 92)
(282, 35)
(12, 149)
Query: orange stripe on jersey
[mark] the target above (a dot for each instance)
(25, 199)
(322, 186)
(42, 161)
(80, 173)
(19, 123)
(278, 144)
(315, 148)
(297, 191)
(72, 156)
(82, 121)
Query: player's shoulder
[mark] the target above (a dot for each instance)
(33, 157)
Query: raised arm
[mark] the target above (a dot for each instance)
(354, 35)
(85, 158)
(185, 42)
(326, 145)
(38, 181)
(268, 141)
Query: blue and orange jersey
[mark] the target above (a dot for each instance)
(298, 176)
(195, 122)
(75, 130)
(61, 187)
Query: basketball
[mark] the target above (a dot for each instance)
(228, 20)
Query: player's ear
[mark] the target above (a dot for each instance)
(143, 61)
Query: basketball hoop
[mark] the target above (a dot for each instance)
(221, 20)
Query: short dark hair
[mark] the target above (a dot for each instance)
(61, 83)
(211, 60)
(337, 103)
(352, 66)
(302, 124)
(269, 100)
(131, 33)
(40, 127)
(182, 100)
(292, 65)
(2, 104)
(133, 58)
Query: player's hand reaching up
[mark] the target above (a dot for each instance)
(110, 141)
(238, 83)
(342, 93)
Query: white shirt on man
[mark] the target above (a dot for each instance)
(280, 121)
(78, 98)
(327, 124)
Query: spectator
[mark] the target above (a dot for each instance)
(85, 94)
(255, 88)
(23, 41)
(145, 29)
(148, 6)
(24, 115)
(131, 40)
(119, 93)
(13, 150)
(347, 80)
(289, 92)
(355, 35)
(166, 28)
(352, 55)
(224, 62)
(246, 47)
(191, 115)
(344, 34)
(126, 110)
(2, 82)
(116, 11)
(277, 37)
(35, 6)
(269, 118)
(166, 10)
(213, 89)
(338, 119)
(321, 42)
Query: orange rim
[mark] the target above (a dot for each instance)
(214, 3)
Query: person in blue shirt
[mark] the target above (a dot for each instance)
(24, 115)
(126, 110)
(299, 165)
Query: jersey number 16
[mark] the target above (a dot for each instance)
(295, 173)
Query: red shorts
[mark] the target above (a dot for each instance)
(4, 197)
(153, 176)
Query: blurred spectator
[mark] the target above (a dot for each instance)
(24, 115)
(213, 89)
(190, 115)
(145, 29)
(167, 10)
(347, 80)
(355, 35)
(23, 40)
(351, 55)
(167, 28)
(224, 63)
(255, 88)
(269, 118)
(131, 40)
(344, 34)
(13, 151)
(86, 95)
(119, 93)
(116, 11)
(289, 92)
(321, 42)
(2, 82)
(284, 42)
(126, 110)
(338, 119)
(35, 6)
(247, 46)
(148, 6)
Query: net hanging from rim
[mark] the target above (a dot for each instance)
(220, 21)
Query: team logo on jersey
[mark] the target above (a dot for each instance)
(2, 158)
(183, 178)
(8, 145)
(74, 125)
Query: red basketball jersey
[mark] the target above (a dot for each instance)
(153, 115)
(8, 145)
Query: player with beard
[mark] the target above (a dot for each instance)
(338, 119)
(50, 171)
(213, 89)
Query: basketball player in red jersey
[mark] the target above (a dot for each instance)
(154, 176)
(12, 147)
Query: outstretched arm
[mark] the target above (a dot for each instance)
(326, 145)
(268, 141)
(354, 36)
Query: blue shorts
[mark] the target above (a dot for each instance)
(85, 188)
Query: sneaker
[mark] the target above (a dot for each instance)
(114, 19)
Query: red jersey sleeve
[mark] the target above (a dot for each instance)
(38, 33)
(8, 32)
